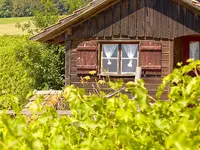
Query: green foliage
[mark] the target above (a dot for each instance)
(48, 14)
(26, 65)
(14, 79)
(45, 16)
(118, 122)
(18, 8)
(76, 4)
(5, 8)
(22, 8)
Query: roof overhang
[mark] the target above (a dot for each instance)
(193, 5)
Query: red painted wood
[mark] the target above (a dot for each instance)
(186, 43)
(87, 57)
(150, 56)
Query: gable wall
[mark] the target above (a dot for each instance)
(140, 18)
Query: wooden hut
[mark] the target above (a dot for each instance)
(115, 36)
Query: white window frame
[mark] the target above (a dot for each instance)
(119, 58)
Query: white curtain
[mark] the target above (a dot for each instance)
(109, 50)
(194, 47)
(130, 50)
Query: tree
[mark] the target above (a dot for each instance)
(5, 8)
(22, 8)
(76, 4)
(47, 15)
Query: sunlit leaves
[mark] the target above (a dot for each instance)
(124, 121)
(26, 65)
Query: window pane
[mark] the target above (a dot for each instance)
(129, 65)
(194, 50)
(109, 65)
(129, 50)
(110, 50)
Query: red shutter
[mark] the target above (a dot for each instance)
(150, 57)
(87, 57)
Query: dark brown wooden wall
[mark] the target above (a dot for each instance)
(179, 49)
(140, 18)
(150, 82)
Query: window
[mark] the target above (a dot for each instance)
(195, 50)
(119, 58)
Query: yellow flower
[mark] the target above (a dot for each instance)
(190, 60)
(179, 64)
(101, 81)
(82, 80)
(92, 72)
(87, 78)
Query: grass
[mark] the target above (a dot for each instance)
(13, 20)
(7, 25)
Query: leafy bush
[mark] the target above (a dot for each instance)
(118, 122)
(26, 65)
(14, 79)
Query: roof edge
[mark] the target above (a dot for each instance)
(88, 11)
(72, 19)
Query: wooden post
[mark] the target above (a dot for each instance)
(67, 58)
(138, 73)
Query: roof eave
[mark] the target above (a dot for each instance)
(188, 4)
(76, 18)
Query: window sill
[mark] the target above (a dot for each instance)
(116, 75)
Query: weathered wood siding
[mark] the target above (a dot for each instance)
(137, 20)
(140, 18)
(150, 82)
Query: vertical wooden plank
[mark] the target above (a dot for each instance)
(186, 22)
(99, 58)
(178, 50)
(140, 18)
(116, 19)
(132, 18)
(85, 31)
(77, 32)
(164, 9)
(124, 18)
(196, 24)
(157, 15)
(171, 21)
(149, 18)
(100, 25)
(180, 20)
(171, 55)
(108, 22)
(89, 26)
(67, 59)
(175, 18)
(191, 21)
(93, 27)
